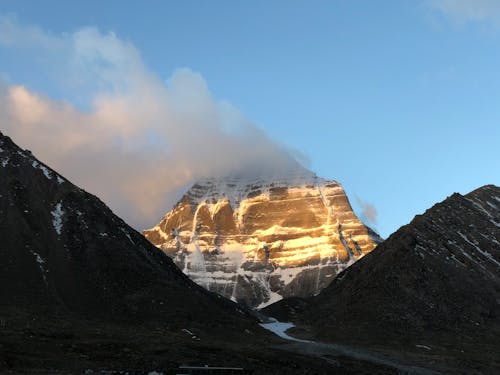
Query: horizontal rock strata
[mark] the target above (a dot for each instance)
(257, 241)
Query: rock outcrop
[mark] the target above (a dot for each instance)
(256, 241)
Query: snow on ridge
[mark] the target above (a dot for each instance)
(480, 207)
(492, 205)
(44, 169)
(484, 211)
(486, 254)
(236, 188)
(57, 215)
(297, 178)
(466, 254)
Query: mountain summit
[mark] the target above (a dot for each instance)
(257, 240)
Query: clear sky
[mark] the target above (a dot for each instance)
(397, 100)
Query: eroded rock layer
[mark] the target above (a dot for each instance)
(257, 241)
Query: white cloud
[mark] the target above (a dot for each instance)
(11, 34)
(140, 141)
(469, 10)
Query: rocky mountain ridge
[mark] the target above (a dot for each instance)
(432, 288)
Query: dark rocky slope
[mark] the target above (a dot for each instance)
(432, 289)
(80, 289)
(63, 250)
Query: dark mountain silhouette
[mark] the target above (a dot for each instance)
(63, 250)
(80, 289)
(432, 289)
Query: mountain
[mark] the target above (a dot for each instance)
(257, 240)
(80, 290)
(63, 247)
(432, 289)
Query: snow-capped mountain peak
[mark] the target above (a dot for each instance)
(256, 239)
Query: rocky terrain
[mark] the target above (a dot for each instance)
(81, 291)
(430, 291)
(257, 240)
(64, 250)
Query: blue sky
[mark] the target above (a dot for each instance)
(397, 100)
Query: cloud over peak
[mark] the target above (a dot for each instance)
(138, 141)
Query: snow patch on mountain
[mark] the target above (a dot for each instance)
(41, 265)
(57, 215)
(44, 169)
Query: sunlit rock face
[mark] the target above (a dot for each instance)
(259, 240)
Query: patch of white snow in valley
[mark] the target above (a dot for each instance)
(5, 162)
(57, 215)
(60, 180)
(280, 328)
